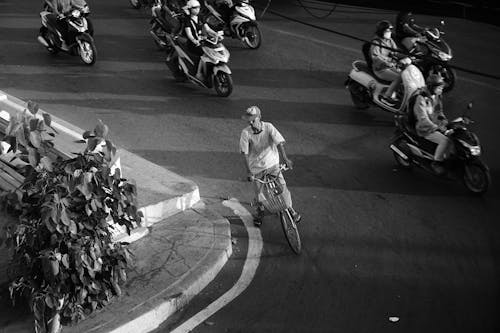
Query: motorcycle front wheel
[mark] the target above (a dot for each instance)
(476, 177)
(252, 37)
(223, 84)
(88, 52)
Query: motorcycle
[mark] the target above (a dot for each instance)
(433, 55)
(462, 163)
(136, 4)
(184, 65)
(366, 88)
(240, 22)
(78, 39)
(164, 20)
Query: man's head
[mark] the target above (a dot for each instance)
(252, 116)
(384, 29)
(435, 83)
(193, 6)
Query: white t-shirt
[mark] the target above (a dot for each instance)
(262, 148)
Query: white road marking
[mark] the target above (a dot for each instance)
(250, 267)
(319, 41)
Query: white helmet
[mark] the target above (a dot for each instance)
(192, 3)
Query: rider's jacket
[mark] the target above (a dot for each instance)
(429, 116)
(382, 53)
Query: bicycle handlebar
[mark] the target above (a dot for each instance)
(282, 168)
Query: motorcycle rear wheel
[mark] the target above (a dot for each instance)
(252, 36)
(358, 95)
(476, 178)
(223, 84)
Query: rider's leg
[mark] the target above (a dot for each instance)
(442, 142)
(259, 208)
(200, 74)
(286, 193)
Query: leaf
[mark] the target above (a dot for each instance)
(87, 134)
(33, 157)
(36, 139)
(47, 163)
(47, 119)
(73, 228)
(33, 107)
(65, 260)
(101, 130)
(92, 144)
(65, 218)
(33, 124)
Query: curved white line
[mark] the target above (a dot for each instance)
(249, 269)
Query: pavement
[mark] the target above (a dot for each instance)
(181, 246)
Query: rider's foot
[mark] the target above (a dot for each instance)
(437, 167)
(387, 100)
(296, 217)
(257, 218)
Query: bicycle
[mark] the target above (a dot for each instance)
(271, 196)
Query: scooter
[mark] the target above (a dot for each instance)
(241, 23)
(164, 20)
(433, 56)
(216, 72)
(136, 4)
(366, 88)
(78, 38)
(463, 161)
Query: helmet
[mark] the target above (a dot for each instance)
(192, 3)
(381, 27)
(434, 80)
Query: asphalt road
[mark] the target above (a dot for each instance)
(378, 241)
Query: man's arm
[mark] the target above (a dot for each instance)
(247, 167)
(281, 149)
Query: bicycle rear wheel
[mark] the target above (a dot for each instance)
(291, 232)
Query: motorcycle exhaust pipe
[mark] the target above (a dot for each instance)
(399, 152)
(42, 41)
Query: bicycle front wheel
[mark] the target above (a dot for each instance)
(291, 232)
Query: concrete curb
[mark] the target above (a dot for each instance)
(149, 313)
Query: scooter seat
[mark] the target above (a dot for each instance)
(363, 66)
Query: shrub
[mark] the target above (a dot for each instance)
(66, 262)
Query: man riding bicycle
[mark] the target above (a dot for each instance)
(261, 143)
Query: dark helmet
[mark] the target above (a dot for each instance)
(434, 80)
(381, 27)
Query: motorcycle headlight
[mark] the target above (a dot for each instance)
(444, 56)
(75, 13)
(474, 150)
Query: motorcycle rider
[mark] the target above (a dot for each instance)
(408, 31)
(384, 54)
(430, 119)
(261, 144)
(224, 7)
(194, 27)
(56, 10)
